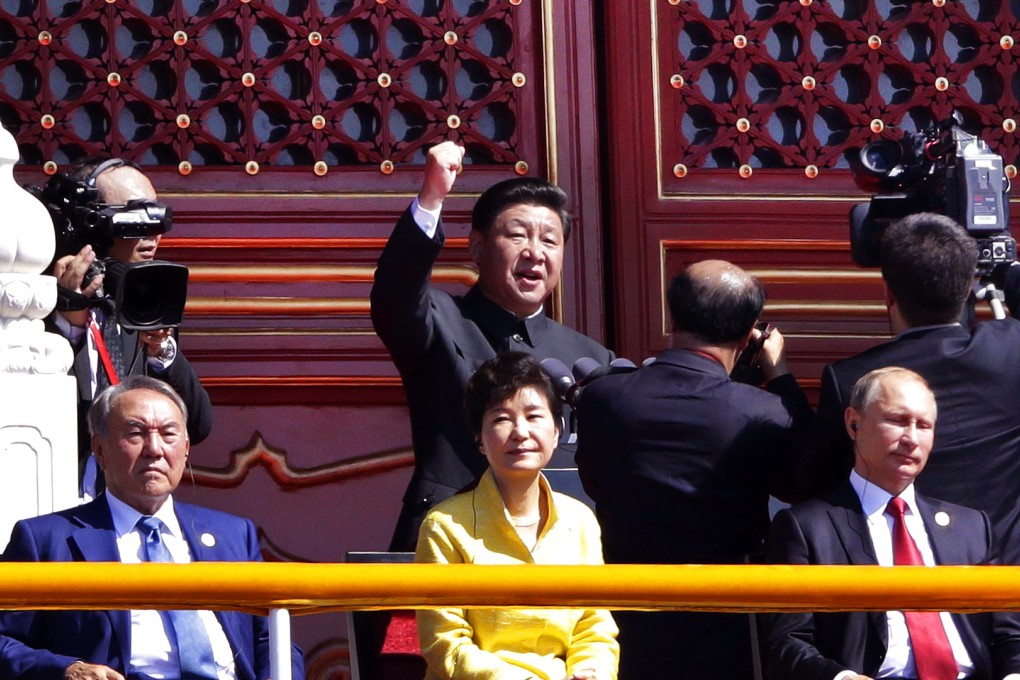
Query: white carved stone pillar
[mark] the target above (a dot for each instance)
(38, 416)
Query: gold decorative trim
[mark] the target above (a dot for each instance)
(301, 381)
(549, 66)
(258, 453)
(312, 273)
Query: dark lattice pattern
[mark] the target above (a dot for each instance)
(284, 82)
(808, 78)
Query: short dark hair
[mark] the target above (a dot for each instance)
(519, 191)
(719, 314)
(928, 262)
(99, 412)
(499, 379)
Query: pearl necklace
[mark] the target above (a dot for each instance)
(525, 522)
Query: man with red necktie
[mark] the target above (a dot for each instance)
(877, 518)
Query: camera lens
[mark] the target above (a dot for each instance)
(878, 158)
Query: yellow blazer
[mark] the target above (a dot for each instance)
(474, 527)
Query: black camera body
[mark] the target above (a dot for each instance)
(146, 295)
(942, 169)
(81, 219)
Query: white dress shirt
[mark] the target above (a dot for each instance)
(899, 658)
(151, 650)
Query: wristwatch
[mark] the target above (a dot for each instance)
(167, 351)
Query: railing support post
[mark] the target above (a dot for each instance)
(279, 644)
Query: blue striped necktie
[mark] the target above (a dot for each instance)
(182, 626)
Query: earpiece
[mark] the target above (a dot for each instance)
(853, 426)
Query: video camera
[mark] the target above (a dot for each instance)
(146, 295)
(942, 169)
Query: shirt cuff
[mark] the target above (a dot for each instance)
(427, 220)
(844, 674)
(72, 333)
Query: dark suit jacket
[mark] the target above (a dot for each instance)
(833, 530)
(680, 461)
(437, 340)
(976, 380)
(41, 644)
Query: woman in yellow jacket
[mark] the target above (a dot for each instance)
(513, 517)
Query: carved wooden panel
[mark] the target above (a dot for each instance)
(260, 83)
(802, 85)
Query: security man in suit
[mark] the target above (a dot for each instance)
(877, 517)
(140, 441)
(680, 461)
(928, 265)
(519, 229)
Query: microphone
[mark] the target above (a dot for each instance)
(562, 379)
(584, 367)
(570, 381)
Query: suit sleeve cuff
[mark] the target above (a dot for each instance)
(427, 220)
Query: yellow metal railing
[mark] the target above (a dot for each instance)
(277, 589)
(311, 588)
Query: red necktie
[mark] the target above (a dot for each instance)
(932, 654)
(104, 356)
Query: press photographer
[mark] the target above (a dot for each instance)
(118, 307)
(930, 262)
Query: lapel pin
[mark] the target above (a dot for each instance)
(942, 518)
(208, 540)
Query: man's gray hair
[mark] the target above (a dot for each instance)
(99, 412)
(866, 389)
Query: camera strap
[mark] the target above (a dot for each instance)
(104, 354)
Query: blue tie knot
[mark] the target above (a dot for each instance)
(152, 531)
(149, 525)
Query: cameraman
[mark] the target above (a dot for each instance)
(928, 263)
(105, 351)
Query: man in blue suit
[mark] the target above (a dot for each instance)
(140, 441)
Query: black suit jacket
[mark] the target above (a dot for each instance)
(833, 530)
(38, 645)
(976, 380)
(437, 340)
(680, 461)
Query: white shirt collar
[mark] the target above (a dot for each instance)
(125, 518)
(874, 499)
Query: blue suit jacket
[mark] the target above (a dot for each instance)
(41, 644)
